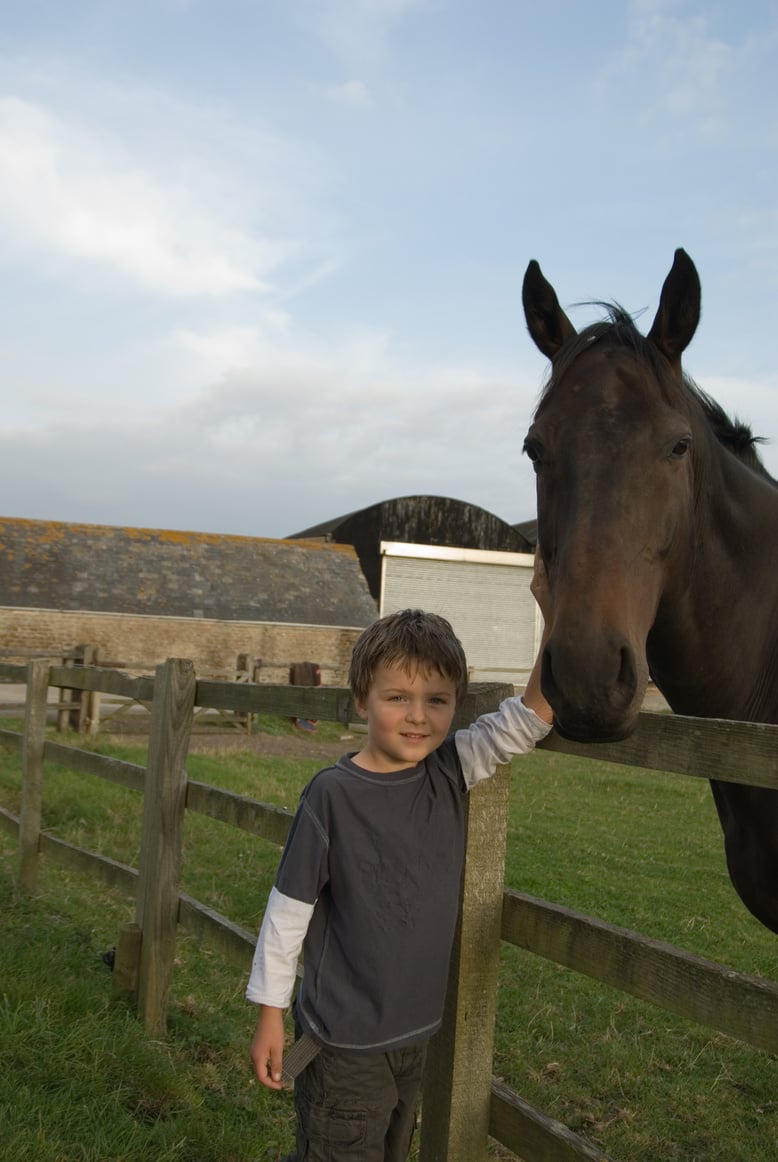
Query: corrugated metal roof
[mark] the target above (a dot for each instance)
(422, 520)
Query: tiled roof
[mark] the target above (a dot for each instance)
(53, 565)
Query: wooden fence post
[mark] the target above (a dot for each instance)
(65, 709)
(164, 798)
(32, 773)
(89, 709)
(457, 1080)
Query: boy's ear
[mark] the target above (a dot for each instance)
(361, 707)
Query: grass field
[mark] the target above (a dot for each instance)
(80, 1080)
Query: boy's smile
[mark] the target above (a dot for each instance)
(409, 713)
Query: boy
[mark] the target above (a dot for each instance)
(369, 884)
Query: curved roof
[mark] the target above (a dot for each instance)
(424, 520)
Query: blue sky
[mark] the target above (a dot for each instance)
(261, 262)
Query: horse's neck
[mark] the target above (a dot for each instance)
(713, 649)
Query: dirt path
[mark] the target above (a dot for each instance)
(210, 738)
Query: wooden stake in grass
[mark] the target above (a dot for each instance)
(32, 778)
(164, 802)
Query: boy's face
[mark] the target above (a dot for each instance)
(408, 716)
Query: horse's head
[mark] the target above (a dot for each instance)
(611, 445)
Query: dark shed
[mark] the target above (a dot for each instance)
(420, 520)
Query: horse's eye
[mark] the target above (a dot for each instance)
(681, 448)
(532, 449)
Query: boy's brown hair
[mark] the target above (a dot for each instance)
(410, 638)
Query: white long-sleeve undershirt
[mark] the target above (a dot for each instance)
(495, 738)
(281, 936)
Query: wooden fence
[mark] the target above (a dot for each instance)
(462, 1103)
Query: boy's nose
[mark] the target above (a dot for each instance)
(415, 712)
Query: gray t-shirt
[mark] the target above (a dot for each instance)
(368, 887)
(380, 855)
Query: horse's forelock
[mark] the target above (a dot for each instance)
(619, 329)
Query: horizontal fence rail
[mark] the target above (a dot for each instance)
(706, 748)
(739, 1005)
(460, 1107)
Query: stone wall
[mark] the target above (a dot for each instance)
(140, 642)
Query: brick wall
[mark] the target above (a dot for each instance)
(142, 641)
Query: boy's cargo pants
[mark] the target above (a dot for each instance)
(361, 1107)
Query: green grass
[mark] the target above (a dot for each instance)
(644, 851)
(639, 849)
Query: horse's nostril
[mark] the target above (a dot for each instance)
(547, 683)
(626, 684)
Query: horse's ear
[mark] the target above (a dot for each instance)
(548, 324)
(679, 309)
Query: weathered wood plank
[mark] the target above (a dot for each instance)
(9, 822)
(86, 762)
(109, 871)
(330, 703)
(12, 739)
(162, 837)
(739, 1005)
(534, 1136)
(481, 698)
(263, 819)
(126, 964)
(140, 689)
(707, 748)
(32, 774)
(231, 939)
(457, 1080)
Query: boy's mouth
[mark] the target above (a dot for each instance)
(412, 737)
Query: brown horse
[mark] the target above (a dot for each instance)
(659, 529)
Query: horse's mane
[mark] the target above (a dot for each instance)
(618, 329)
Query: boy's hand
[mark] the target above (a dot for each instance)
(267, 1046)
(533, 694)
(540, 588)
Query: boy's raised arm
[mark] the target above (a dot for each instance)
(533, 695)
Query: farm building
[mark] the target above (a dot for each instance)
(417, 520)
(458, 560)
(141, 595)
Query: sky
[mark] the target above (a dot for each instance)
(261, 260)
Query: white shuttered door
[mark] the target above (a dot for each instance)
(485, 595)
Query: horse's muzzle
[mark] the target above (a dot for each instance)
(596, 693)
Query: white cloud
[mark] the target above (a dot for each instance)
(227, 350)
(354, 94)
(678, 68)
(360, 31)
(77, 194)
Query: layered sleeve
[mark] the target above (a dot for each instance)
(495, 738)
(302, 873)
(274, 969)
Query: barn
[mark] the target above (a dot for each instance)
(456, 559)
(142, 595)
